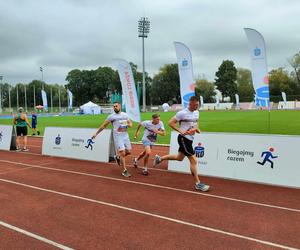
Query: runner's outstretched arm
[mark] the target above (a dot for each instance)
(102, 126)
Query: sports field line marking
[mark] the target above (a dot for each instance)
(153, 215)
(110, 163)
(156, 186)
(15, 170)
(53, 161)
(35, 236)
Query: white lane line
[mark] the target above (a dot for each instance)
(157, 186)
(51, 162)
(154, 215)
(35, 236)
(110, 163)
(15, 170)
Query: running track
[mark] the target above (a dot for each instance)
(49, 203)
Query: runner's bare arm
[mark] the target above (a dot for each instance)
(137, 132)
(159, 132)
(172, 124)
(103, 126)
(129, 123)
(26, 120)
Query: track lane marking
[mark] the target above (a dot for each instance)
(157, 186)
(210, 229)
(35, 236)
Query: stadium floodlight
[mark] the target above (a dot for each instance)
(144, 29)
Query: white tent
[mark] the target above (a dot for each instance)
(91, 108)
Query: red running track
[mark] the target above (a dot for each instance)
(50, 203)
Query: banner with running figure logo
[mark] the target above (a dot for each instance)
(259, 71)
(129, 90)
(44, 98)
(185, 68)
(70, 99)
(271, 159)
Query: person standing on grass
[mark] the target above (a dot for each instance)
(152, 128)
(120, 123)
(188, 126)
(34, 123)
(21, 122)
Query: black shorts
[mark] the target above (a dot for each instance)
(21, 131)
(185, 146)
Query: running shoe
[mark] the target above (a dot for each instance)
(145, 172)
(157, 160)
(135, 162)
(18, 150)
(25, 150)
(202, 187)
(125, 173)
(38, 132)
(117, 159)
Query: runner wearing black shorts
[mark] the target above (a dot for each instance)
(188, 126)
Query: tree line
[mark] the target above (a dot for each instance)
(100, 84)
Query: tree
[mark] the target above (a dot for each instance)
(206, 89)
(226, 79)
(165, 86)
(245, 88)
(294, 61)
(75, 85)
(280, 81)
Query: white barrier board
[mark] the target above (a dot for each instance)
(76, 143)
(258, 158)
(5, 136)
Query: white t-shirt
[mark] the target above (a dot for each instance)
(149, 135)
(119, 122)
(187, 120)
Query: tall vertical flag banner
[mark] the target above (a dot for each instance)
(70, 99)
(217, 100)
(259, 67)
(44, 99)
(129, 90)
(186, 76)
(237, 99)
(201, 101)
(284, 97)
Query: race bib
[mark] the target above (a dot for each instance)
(123, 126)
(152, 137)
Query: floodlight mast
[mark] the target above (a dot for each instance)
(144, 29)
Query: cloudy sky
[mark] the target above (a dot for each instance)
(61, 35)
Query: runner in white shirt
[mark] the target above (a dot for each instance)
(120, 123)
(152, 129)
(188, 126)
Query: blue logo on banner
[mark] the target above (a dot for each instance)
(184, 63)
(262, 96)
(257, 51)
(199, 151)
(57, 140)
(186, 99)
(267, 156)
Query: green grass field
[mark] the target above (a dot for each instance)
(285, 122)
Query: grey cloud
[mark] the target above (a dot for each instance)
(61, 35)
